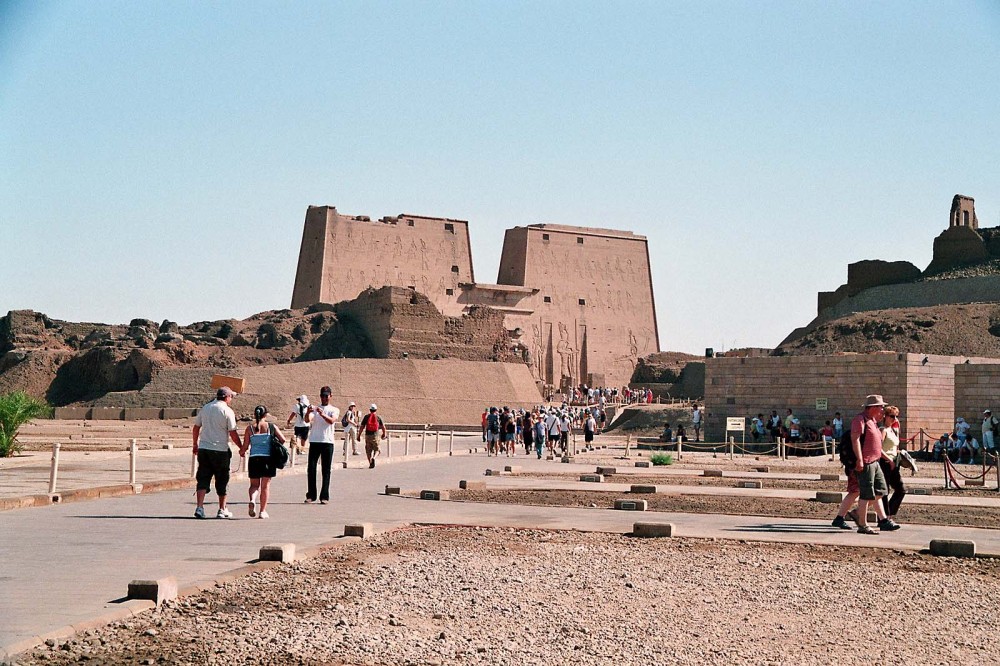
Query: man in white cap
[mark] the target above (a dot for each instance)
(299, 414)
(990, 427)
(214, 428)
(350, 423)
(372, 425)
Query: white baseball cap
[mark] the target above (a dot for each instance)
(372, 407)
(352, 404)
(304, 399)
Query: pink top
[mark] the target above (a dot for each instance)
(871, 445)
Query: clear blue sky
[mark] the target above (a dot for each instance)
(156, 159)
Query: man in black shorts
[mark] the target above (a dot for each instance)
(300, 415)
(214, 428)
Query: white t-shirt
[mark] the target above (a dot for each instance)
(319, 429)
(962, 427)
(216, 420)
(300, 411)
(552, 424)
(696, 416)
(564, 424)
(352, 420)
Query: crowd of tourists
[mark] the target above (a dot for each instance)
(506, 430)
(584, 395)
(264, 447)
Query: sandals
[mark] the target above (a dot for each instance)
(865, 529)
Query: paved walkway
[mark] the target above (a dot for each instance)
(64, 564)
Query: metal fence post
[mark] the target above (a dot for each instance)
(451, 442)
(423, 442)
(437, 442)
(133, 453)
(406, 444)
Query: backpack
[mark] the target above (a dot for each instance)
(371, 425)
(279, 452)
(343, 421)
(845, 449)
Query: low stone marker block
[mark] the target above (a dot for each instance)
(472, 485)
(393, 490)
(653, 529)
(71, 413)
(607, 471)
(435, 495)
(829, 497)
(712, 472)
(512, 469)
(363, 530)
(279, 552)
(107, 414)
(829, 477)
(630, 505)
(974, 482)
(592, 478)
(142, 413)
(156, 591)
(177, 413)
(645, 490)
(919, 491)
(953, 548)
(167, 446)
(751, 484)
(567, 459)
(762, 468)
(642, 463)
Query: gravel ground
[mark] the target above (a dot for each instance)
(496, 596)
(926, 514)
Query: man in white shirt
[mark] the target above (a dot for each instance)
(696, 421)
(989, 424)
(214, 428)
(322, 436)
(552, 427)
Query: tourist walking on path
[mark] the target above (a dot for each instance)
(322, 436)
(589, 429)
(866, 443)
(552, 426)
(214, 428)
(696, 421)
(260, 468)
(350, 424)
(374, 429)
(539, 425)
(889, 462)
(492, 432)
(299, 414)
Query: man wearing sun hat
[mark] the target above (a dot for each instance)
(214, 428)
(372, 425)
(300, 414)
(350, 423)
(866, 440)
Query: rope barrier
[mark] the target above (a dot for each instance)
(756, 453)
(949, 464)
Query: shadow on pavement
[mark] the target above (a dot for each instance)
(788, 528)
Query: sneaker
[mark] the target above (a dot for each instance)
(888, 525)
(253, 505)
(841, 523)
(864, 529)
(263, 515)
(224, 513)
(371, 465)
(199, 512)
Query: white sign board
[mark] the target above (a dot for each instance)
(735, 423)
(822, 404)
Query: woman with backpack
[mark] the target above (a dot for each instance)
(260, 467)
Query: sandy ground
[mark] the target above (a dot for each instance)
(968, 516)
(495, 596)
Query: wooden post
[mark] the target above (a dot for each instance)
(423, 442)
(680, 452)
(133, 453)
(451, 442)
(406, 444)
(732, 445)
(54, 468)
(437, 442)
(628, 443)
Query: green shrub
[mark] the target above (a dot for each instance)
(661, 459)
(16, 409)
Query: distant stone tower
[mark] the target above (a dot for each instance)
(577, 302)
(960, 243)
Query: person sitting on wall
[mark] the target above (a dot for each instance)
(681, 435)
(941, 447)
(668, 433)
(970, 444)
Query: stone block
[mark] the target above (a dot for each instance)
(607, 471)
(829, 477)
(750, 484)
(156, 591)
(496, 472)
(71, 413)
(975, 482)
(649, 530)
(712, 472)
(919, 491)
(953, 548)
(178, 413)
(592, 478)
(513, 469)
(829, 497)
(142, 413)
(567, 459)
(168, 447)
(642, 463)
(644, 490)
(764, 469)
(550, 457)
(363, 530)
(107, 413)
(630, 505)
(281, 552)
(435, 495)
(393, 490)
(472, 485)
(237, 384)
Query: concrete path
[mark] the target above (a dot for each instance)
(65, 564)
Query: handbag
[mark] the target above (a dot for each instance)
(279, 452)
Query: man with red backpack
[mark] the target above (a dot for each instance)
(371, 426)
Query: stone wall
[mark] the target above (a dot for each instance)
(924, 391)
(975, 390)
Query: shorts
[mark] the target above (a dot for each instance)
(508, 437)
(492, 436)
(371, 441)
(852, 481)
(588, 436)
(302, 432)
(871, 482)
(213, 464)
(260, 467)
(554, 439)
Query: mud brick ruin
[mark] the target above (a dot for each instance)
(576, 302)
